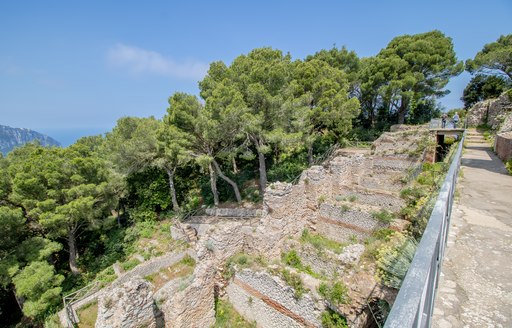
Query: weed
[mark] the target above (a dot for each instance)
(352, 198)
(384, 216)
(291, 258)
(331, 319)
(130, 264)
(209, 245)
(335, 294)
(226, 316)
(293, 280)
(321, 199)
(320, 242)
(188, 260)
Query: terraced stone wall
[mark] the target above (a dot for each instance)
(265, 299)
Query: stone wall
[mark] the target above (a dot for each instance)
(192, 304)
(128, 305)
(496, 113)
(503, 145)
(342, 225)
(383, 200)
(267, 300)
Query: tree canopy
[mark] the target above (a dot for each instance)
(482, 87)
(263, 117)
(411, 71)
(494, 59)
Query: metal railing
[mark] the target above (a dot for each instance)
(414, 304)
(74, 297)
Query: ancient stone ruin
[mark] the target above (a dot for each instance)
(337, 200)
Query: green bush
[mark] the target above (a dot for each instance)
(331, 319)
(336, 293)
(384, 216)
(188, 260)
(291, 258)
(293, 280)
(394, 258)
(237, 262)
(508, 165)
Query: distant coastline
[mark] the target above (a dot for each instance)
(68, 136)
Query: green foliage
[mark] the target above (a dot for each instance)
(130, 264)
(38, 284)
(508, 165)
(482, 87)
(335, 293)
(383, 234)
(384, 216)
(495, 58)
(320, 242)
(407, 76)
(292, 259)
(394, 258)
(236, 262)
(188, 260)
(293, 280)
(331, 319)
(226, 316)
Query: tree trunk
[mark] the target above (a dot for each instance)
(19, 300)
(263, 171)
(235, 168)
(213, 184)
(401, 111)
(73, 254)
(170, 174)
(310, 154)
(228, 180)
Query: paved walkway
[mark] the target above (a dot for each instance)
(475, 288)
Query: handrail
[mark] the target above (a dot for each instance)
(414, 303)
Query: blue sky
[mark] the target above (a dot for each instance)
(70, 68)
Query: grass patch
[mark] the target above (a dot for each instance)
(183, 268)
(88, 315)
(320, 242)
(130, 264)
(227, 317)
(240, 261)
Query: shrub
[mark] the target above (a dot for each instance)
(384, 216)
(293, 280)
(188, 260)
(292, 259)
(331, 319)
(320, 242)
(237, 262)
(508, 165)
(394, 258)
(335, 294)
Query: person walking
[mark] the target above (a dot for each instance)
(455, 120)
(443, 120)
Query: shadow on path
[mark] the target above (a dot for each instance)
(492, 163)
